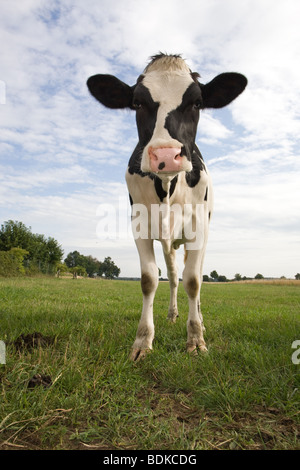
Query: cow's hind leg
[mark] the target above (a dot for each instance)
(192, 277)
(170, 259)
(149, 282)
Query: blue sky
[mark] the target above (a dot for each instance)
(63, 156)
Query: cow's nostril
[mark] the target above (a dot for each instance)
(152, 155)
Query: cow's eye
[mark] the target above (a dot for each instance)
(197, 104)
(136, 104)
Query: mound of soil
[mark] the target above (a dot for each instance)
(39, 379)
(32, 340)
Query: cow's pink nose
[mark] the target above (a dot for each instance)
(165, 159)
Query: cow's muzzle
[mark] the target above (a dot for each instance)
(165, 160)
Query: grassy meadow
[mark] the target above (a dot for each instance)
(77, 389)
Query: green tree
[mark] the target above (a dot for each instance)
(43, 254)
(61, 268)
(18, 255)
(214, 275)
(11, 262)
(14, 235)
(297, 276)
(237, 277)
(78, 271)
(259, 276)
(91, 264)
(73, 259)
(108, 269)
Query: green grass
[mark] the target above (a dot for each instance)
(244, 394)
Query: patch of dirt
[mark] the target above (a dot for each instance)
(39, 379)
(265, 428)
(32, 340)
(166, 405)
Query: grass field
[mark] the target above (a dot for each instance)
(244, 394)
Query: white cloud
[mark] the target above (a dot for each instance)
(61, 153)
(212, 130)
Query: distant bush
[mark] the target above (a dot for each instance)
(11, 262)
(259, 276)
(41, 254)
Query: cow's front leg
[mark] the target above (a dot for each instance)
(149, 283)
(192, 278)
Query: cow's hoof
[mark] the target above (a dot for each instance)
(172, 315)
(172, 319)
(138, 354)
(193, 349)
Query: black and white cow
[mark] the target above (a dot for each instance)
(166, 171)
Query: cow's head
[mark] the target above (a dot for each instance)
(167, 99)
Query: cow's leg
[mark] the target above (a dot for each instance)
(170, 259)
(192, 278)
(149, 282)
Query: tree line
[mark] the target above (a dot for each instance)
(25, 253)
(81, 265)
(215, 277)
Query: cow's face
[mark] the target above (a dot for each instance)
(167, 99)
(167, 107)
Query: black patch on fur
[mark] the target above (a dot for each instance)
(206, 192)
(159, 189)
(173, 185)
(134, 165)
(110, 91)
(193, 177)
(181, 123)
(146, 113)
(222, 89)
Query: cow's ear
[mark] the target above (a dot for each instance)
(222, 89)
(110, 91)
